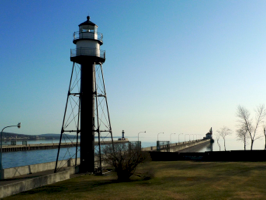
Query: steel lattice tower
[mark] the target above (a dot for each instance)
(86, 113)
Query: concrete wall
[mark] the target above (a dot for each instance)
(232, 156)
(30, 169)
(28, 184)
(48, 177)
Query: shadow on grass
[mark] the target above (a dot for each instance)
(181, 165)
(71, 186)
(231, 168)
(83, 184)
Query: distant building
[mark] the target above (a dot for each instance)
(123, 136)
(209, 134)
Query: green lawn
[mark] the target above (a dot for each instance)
(165, 180)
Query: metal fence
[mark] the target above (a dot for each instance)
(163, 145)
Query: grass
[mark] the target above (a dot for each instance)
(165, 180)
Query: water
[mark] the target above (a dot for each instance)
(22, 158)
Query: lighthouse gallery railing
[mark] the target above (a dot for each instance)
(84, 51)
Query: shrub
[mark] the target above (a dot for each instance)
(124, 157)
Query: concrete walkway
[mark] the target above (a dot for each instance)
(181, 146)
(195, 148)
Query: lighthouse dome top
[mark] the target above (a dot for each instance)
(88, 26)
(88, 22)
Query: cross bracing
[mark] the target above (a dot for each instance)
(71, 126)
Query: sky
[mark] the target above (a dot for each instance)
(171, 66)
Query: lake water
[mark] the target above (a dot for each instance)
(21, 158)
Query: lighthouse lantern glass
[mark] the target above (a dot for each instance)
(88, 28)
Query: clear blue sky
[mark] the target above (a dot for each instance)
(172, 66)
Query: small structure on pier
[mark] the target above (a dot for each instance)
(209, 136)
(123, 136)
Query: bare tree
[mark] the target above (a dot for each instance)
(217, 139)
(242, 135)
(264, 132)
(245, 121)
(124, 157)
(223, 132)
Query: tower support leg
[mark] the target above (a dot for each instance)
(87, 117)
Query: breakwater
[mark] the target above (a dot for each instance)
(28, 147)
(180, 146)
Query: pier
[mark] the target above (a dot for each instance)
(28, 147)
(180, 146)
(173, 147)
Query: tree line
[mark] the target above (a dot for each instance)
(249, 129)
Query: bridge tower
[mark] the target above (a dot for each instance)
(86, 113)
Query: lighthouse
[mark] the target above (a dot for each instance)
(87, 59)
(88, 42)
